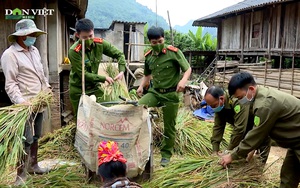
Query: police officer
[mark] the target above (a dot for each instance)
(276, 114)
(229, 110)
(163, 64)
(95, 47)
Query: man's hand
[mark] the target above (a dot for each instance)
(250, 155)
(180, 86)
(26, 103)
(119, 76)
(109, 80)
(217, 153)
(225, 160)
(139, 91)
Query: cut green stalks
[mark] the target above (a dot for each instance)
(192, 136)
(200, 171)
(12, 127)
(118, 88)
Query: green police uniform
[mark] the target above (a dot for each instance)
(93, 58)
(165, 70)
(241, 118)
(276, 114)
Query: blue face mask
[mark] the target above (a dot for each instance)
(245, 99)
(219, 108)
(29, 41)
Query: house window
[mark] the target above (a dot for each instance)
(255, 30)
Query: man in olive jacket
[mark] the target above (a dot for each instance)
(229, 110)
(276, 114)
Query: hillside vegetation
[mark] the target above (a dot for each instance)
(103, 12)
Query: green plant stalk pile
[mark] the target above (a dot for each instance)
(12, 126)
(192, 136)
(59, 144)
(118, 88)
(200, 171)
(61, 177)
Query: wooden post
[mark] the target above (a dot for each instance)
(172, 38)
(280, 64)
(293, 70)
(129, 55)
(269, 34)
(83, 67)
(265, 75)
(282, 12)
(293, 62)
(224, 71)
(242, 38)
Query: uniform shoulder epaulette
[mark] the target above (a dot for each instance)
(98, 40)
(147, 53)
(172, 48)
(78, 48)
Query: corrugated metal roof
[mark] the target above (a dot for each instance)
(127, 22)
(210, 20)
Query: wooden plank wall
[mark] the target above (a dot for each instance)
(275, 27)
(291, 26)
(287, 80)
(231, 33)
(269, 17)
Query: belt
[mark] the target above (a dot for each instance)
(171, 89)
(90, 87)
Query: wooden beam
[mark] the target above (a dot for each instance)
(129, 55)
(270, 32)
(242, 36)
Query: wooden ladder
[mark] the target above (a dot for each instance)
(208, 72)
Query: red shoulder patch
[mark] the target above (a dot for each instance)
(172, 48)
(98, 40)
(78, 48)
(164, 50)
(147, 53)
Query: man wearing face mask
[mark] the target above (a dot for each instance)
(163, 63)
(230, 110)
(276, 114)
(94, 49)
(24, 79)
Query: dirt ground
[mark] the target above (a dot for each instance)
(274, 162)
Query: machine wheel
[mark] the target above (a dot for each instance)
(89, 175)
(194, 103)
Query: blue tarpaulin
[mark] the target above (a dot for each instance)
(205, 113)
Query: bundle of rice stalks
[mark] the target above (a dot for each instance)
(133, 95)
(59, 144)
(63, 176)
(12, 126)
(206, 172)
(118, 88)
(192, 136)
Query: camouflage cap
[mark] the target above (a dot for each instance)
(25, 27)
(138, 73)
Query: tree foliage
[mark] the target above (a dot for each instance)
(103, 12)
(203, 42)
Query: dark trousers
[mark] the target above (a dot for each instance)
(290, 170)
(33, 128)
(169, 103)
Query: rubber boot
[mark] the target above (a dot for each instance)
(21, 169)
(33, 167)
